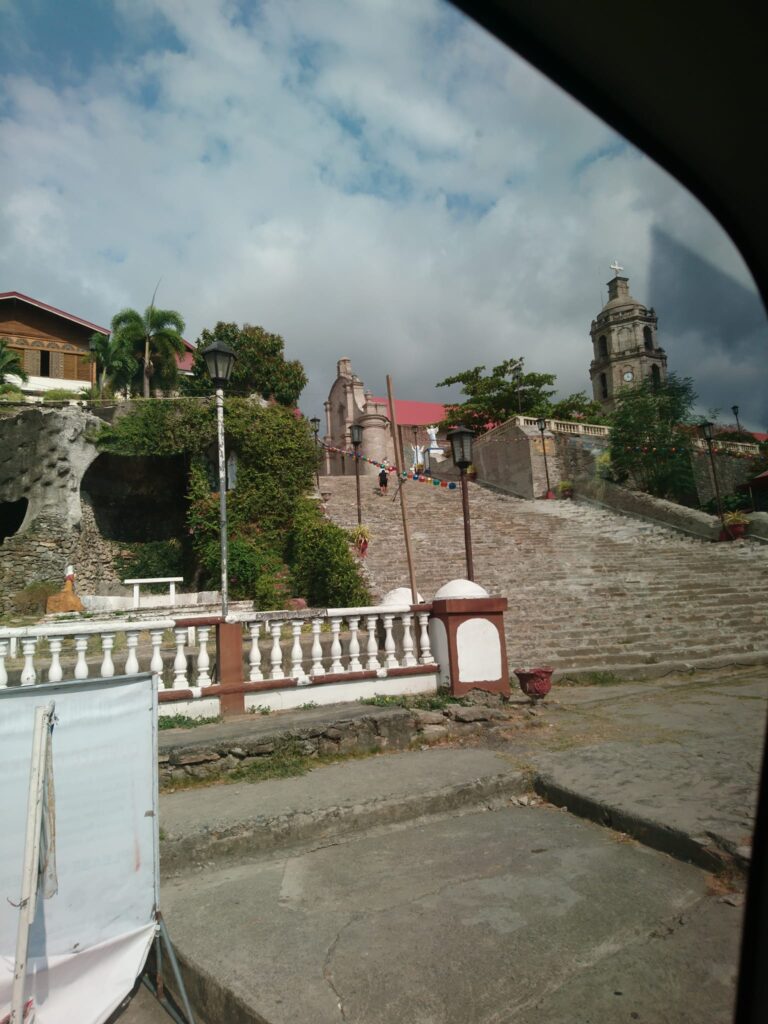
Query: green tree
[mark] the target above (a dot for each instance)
(153, 340)
(260, 368)
(650, 445)
(113, 363)
(495, 397)
(10, 362)
(578, 407)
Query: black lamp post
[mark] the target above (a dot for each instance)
(461, 445)
(219, 359)
(541, 423)
(356, 433)
(315, 421)
(707, 430)
(735, 411)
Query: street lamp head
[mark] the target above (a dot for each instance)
(461, 445)
(707, 429)
(219, 359)
(315, 421)
(356, 433)
(735, 411)
(541, 423)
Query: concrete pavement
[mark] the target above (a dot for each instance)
(494, 906)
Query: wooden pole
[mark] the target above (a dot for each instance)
(396, 439)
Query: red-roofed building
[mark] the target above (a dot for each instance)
(53, 345)
(349, 402)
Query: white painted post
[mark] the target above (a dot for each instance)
(354, 645)
(180, 661)
(389, 642)
(276, 654)
(317, 650)
(136, 588)
(81, 665)
(54, 671)
(156, 664)
(424, 644)
(297, 670)
(132, 662)
(107, 665)
(3, 670)
(203, 658)
(409, 658)
(372, 647)
(254, 659)
(336, 665)
(172, 592)
(28, 674)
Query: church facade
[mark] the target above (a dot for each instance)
(624, 343)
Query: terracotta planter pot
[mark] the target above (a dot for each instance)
(733, 532)
(535, 682)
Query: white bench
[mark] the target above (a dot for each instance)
(170, 580)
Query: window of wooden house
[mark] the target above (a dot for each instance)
(45, 364)
(75, 367)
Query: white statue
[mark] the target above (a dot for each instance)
(433, 445)
(417, 455)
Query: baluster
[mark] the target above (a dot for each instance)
(28, 674)
(180, 661)
(276, 654)
(389, 642)
(107, 665)
(424, 644)
(409, 657)
(132, 662)
(354, 645)
(254, 660)
(54, 671)
(156, 664)
(372, 647)
(336, 665)
(3, 670)
(297, 655)
(81, 665)
(203, 658)
(317, 649)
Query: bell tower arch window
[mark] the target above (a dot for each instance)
(602, 347)
(648, 339)
(603, 385)
(655, 376)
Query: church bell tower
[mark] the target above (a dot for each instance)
(624, 343)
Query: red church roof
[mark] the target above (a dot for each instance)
(415, 414)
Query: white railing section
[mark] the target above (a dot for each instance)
(300, 646)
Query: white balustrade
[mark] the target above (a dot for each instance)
(54, 669)
(81, 666)
(424, 643)
(28, 674)
(107, 665)
(254, 659)
(409, 658)
(336, 665)
(203, 658)
(276, 654)
(180, 681)
(297, 655)
(131, 661)
(317, 650)
(372, 663)
(354, 644)
(156, 664)
(3, 655)
(389, 642)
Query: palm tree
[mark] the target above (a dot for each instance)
(10, 362)
(113, 362)
(153, 339)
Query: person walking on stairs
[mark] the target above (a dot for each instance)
(383, 481)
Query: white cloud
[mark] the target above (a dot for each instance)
(381, 180)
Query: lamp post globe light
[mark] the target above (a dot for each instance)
(315, 421)
(707, 430)
(541, 423)
(461, 448)
(219, 360)
(356, 433)
(735, 411)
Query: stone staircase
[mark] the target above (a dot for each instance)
(586, 587)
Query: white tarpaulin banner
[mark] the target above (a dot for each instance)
(89, 941)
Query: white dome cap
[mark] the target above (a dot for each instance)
(401, 595)
(460, 589)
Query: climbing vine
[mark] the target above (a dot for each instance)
(279, 543)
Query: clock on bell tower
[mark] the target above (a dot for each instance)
(625, 348)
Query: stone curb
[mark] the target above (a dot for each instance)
(260, 834)
(663, 668)
(710, 852)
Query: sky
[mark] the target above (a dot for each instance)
(378, 179)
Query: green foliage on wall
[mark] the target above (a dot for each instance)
(144, 560)
(324, 569)
(279, 543)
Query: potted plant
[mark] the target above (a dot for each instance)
(565, 488)
(735, 525)
(535, 682)
(360, 536)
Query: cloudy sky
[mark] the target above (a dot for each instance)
(371, 178)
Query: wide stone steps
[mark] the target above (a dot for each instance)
(585, 586)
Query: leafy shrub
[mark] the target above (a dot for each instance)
(324, 569)
(60, 395)
(256, 572)
(32, 599)
(151, 558)
(10, 393)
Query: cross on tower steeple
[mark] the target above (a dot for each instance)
(615, 267)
